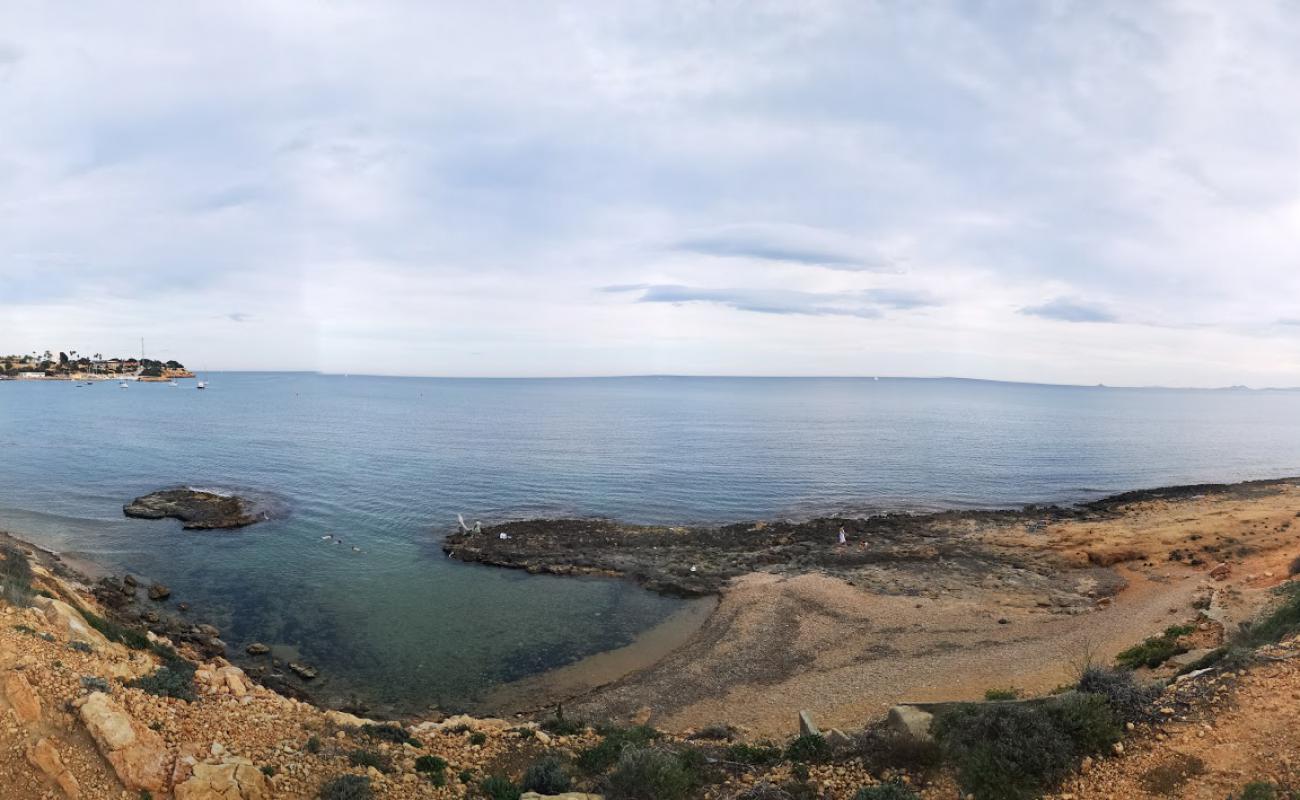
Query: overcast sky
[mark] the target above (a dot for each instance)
(1052, 191)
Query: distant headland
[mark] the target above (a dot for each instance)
(72, 366)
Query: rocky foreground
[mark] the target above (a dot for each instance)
(197, 510)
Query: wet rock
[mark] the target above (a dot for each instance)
(130, 580)
(195, 509)
(138, 754)
(44, 755)
(208, 630)
(257, 649)
(304, 671)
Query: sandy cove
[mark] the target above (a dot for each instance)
(1008, 599)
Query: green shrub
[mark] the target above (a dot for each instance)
(430, 764)
(1016, 752)
(387, 733)
(757, 755)
(885, 750)
(1258, 790)
(1283, 620)
(313, 744)
(1127, 697)
(547, 776)
(886, 791)
(269, 771)
(602, 756)
(347, 787)
(131, 637)
(168, 682)
(465, 776)
(499, 787)
(15, 577)
(560, 726)
(1155, 650)
(994, 695)
(477, 738)
(369, 758)
(649, 773)
(811, 748)
(94, 683)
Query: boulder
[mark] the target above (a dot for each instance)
(838, 739)
(304, 671)
(22, 697)
(159, 591)
(237, 779)
(257, 649)
(138, 755)
(910, 721)
(1221, 572)
(1189, 658)
(44, 755)
(345, 720)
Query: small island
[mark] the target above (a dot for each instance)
(196, 509)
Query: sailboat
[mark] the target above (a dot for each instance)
(121, 385)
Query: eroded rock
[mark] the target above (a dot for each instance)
(237, 779)
(195, 509)
(44, 755)
(138, 755)
(22, 697)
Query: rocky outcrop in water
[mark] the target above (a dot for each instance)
(197, 510)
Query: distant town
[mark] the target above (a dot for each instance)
(73, 366)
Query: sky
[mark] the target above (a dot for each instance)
(1040, 191)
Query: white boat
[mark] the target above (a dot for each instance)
(121, 385)
(202, 385)
(173, 383)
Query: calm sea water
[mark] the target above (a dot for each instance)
(387, 463)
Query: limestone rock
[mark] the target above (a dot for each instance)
(347, 720)
(22, 697)
(1221, 572)
(44, 755)
(137, 754)
(910, 721)
(1189, 658)
(237, 779)
(806, 725)
(65, 618)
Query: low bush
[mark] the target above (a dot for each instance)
(1257, 790)
(1016, 752)
(499, 787)
(886, 791)
(1155, 650)
(561, 726)
(649, 773)
(80, 647)
(1280, 622)
(15, 576)
(547, 776)
(347, 787)
(430, 764)
(756, 755)
(993, 695)
(478, 738)
(885, 750)
(132, 638)
(313, 744)
(1126, 696)
(387, 732)
(167, 682)
(94, 683)
(600, 757)
(369, 758)
(811, 748)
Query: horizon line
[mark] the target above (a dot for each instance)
(668, 375)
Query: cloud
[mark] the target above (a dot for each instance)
(1065, 310)
(794, 243)
(762, 301)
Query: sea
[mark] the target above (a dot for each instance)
(383, 466)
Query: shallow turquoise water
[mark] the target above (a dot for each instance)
(386, 463)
